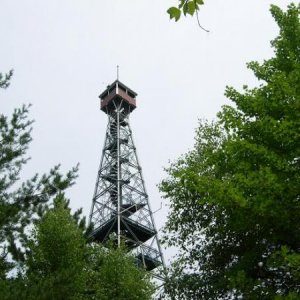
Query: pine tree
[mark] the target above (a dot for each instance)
(21, 203)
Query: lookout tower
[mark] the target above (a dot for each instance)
(120, 205)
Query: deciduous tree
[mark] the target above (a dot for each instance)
(235, 198)
(56, 260)
(114, 274)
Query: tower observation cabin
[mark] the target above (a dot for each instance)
(118, 94)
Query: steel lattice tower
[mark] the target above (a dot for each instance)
(120, 207)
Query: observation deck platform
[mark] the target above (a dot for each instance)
(132, 230)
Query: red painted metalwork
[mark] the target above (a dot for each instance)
(117, 91)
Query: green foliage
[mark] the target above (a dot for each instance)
(5, 79)
(22, 203)
(187, 7)
(113, 274)
(234, 199)
(56, 257)
(60, 264)
(174, 12)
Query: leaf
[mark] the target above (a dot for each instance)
(174, 12)
(185, 8)
(182, 2)
(191, 7)
(200, 2)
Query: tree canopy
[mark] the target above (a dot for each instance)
(55, 263)
(114, 274)
(235, 198)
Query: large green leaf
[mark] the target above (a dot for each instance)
(174, 12)
(191, 7)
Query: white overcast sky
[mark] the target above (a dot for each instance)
(65, 52)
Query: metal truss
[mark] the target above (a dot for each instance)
(120, 205)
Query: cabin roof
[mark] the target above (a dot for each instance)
(120, 84)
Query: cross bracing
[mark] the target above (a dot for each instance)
(120, 205)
